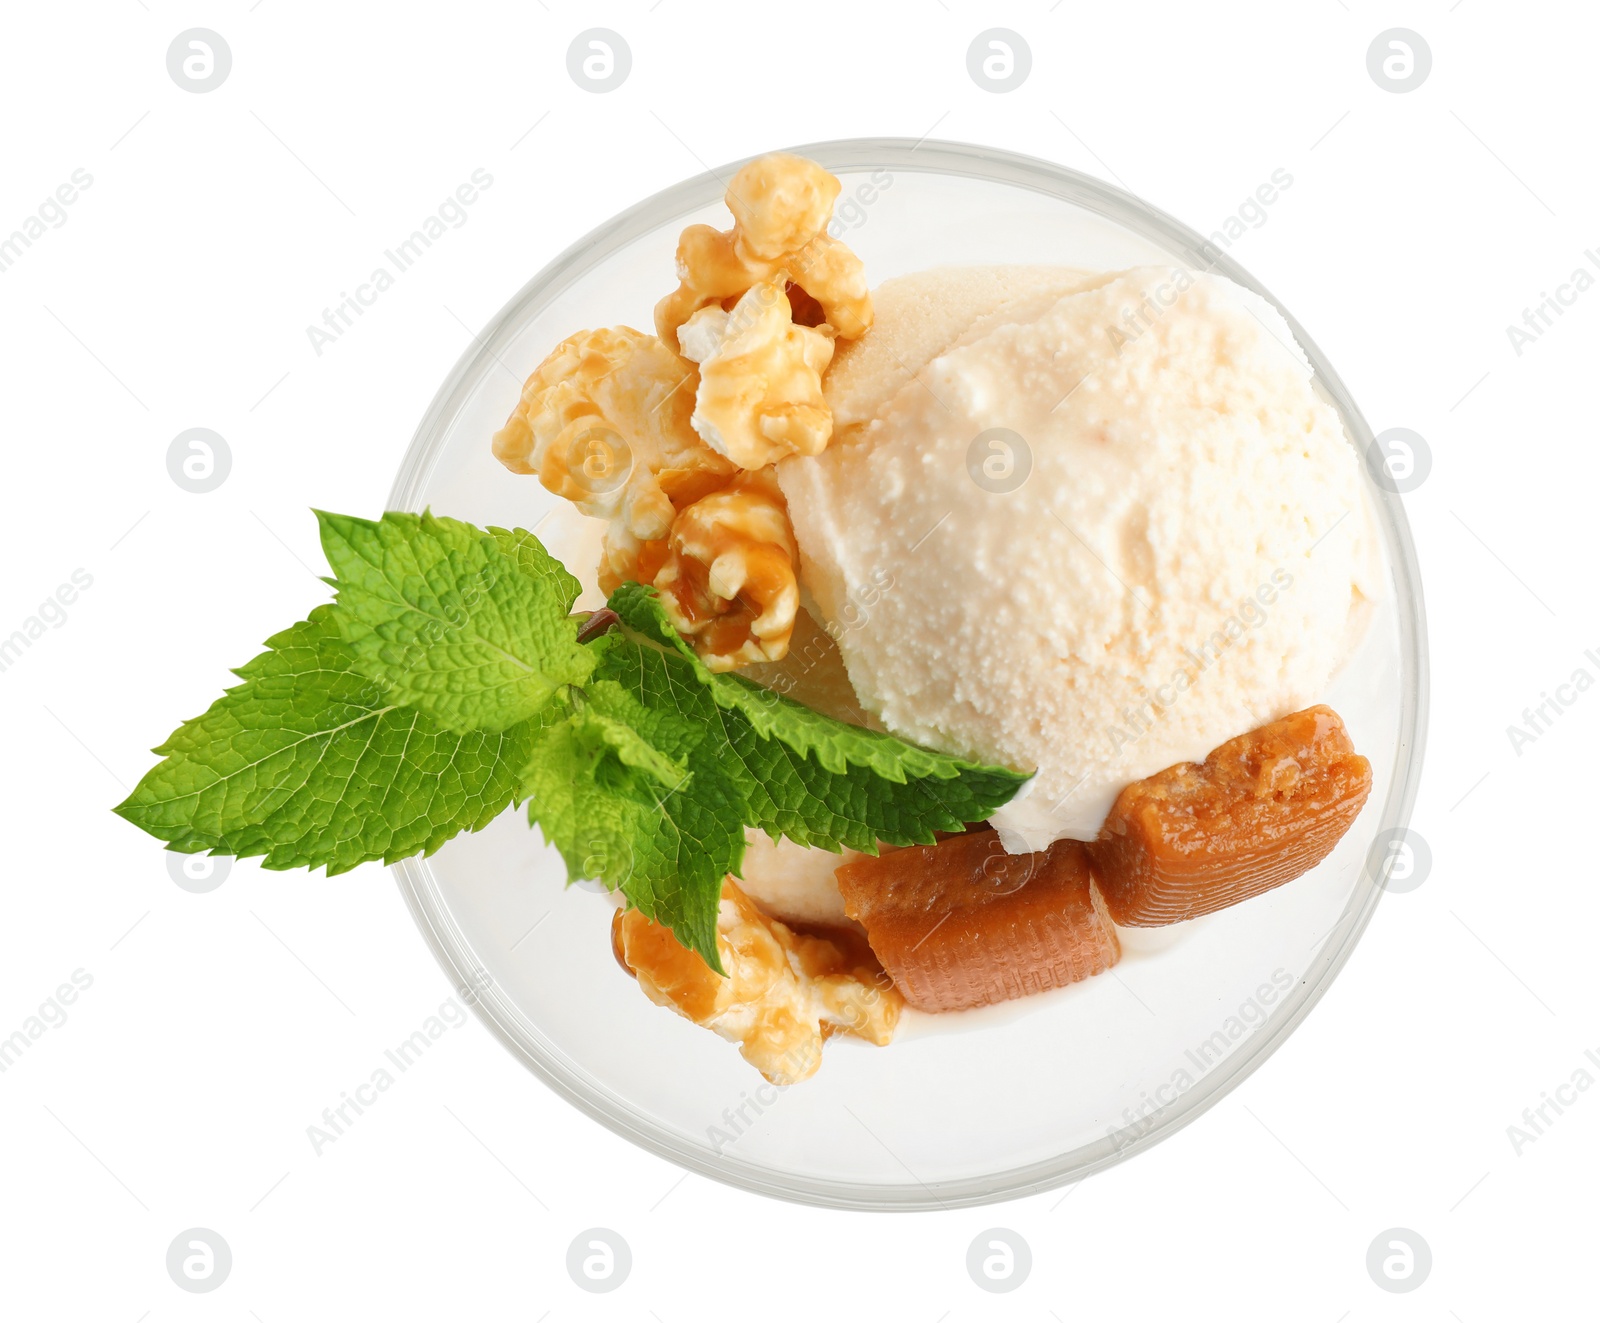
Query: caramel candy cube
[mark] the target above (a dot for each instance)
(1260, 811)
(962, 923)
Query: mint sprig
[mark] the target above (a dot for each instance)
(449, 680)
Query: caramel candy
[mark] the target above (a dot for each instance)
(962, 923)
(1260, 811)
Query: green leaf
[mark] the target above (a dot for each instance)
(790, 793)
(308, 764)
(611, 723)
(666, 846)
(835, 745)
(470, 627)
(538, 564)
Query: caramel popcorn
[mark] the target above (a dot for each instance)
(760, 393)
(728, 577)
(604, 422)
(624, 557)
(785, 992)
(669, 449)
(780, 205)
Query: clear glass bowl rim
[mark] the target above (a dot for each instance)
(450, 945)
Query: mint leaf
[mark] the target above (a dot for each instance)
(790, 793)
(538, 564)
(611, 722)
(665, 845)
(307, 764)
(469, 627)
(835, 745)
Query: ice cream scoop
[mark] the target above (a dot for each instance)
(1089, 525)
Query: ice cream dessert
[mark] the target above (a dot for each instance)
(1095, 525)
(951, 630)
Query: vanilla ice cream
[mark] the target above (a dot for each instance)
(794, 883)
(1090, 524)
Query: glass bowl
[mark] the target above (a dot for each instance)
(960, 1109)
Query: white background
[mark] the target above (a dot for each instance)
(218, 1026)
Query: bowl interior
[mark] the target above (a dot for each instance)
(960, 1109)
